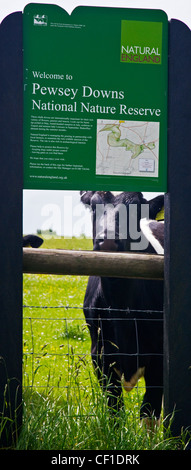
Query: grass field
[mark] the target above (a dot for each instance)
(64, 407)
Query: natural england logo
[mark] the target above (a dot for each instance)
(141, 42)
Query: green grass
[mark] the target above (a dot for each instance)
(52, 335)
(67, 243)
(63, 406)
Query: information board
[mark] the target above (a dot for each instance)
(95, 98)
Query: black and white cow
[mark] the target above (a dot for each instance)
(124, 346)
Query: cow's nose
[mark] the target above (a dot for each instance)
(108, 245)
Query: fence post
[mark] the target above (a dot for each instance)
(177, 268)
(11, 92)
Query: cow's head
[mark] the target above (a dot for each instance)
(116, 219)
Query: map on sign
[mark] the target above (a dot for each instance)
(127, 148)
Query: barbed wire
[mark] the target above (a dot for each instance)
(150, 313)
(68, 307)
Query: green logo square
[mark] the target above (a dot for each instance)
(141, 42)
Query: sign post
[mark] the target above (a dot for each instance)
(177, 260)
(91, 92)
(11, 185)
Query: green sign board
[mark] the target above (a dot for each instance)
(95, 98)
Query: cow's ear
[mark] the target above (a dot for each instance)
(32, 240)
(130, 198)
(155, 206)
(86, 196)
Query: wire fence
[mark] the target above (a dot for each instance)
(57, 349)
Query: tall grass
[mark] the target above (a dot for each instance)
(82, 421)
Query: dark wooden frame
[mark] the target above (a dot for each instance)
(177, 264)
(177, 271)
(11, 184)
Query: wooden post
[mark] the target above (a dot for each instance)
(11, 92)
(93, 263)
(177, 273)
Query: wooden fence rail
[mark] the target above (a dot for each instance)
(87, 263)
